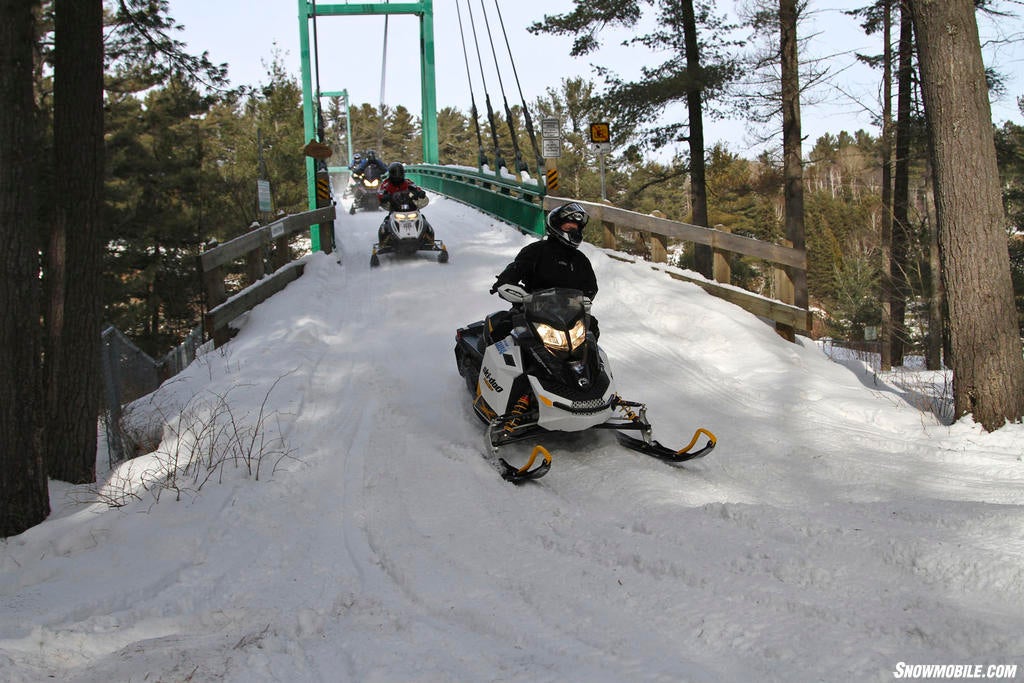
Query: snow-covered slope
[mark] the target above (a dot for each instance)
(835, 532)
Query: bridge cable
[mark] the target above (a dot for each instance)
(526, 111)
(499, 161)
(481, 157)
(316, 67)
(520, 166)
(383, 73)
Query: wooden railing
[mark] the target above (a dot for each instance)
(221, 309)
(656, 231)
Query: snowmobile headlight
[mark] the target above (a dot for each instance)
(553, 339)
(405, 216)
(578, 334)
(372, 183)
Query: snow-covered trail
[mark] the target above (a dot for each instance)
(834, 532)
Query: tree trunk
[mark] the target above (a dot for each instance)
(988, 368)
(73, 383)
(901, 232)
(887, 217)
(793, 170)
(24, 494)
(703, 261)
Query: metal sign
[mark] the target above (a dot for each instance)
(551, 148)
(552, 179)
(550, 127)
(600, 133)
(263, 194)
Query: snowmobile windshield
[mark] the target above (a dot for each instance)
(558, 317)
(559, 306)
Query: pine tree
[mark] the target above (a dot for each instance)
(24, 497)
(696, 70)
(988, 368)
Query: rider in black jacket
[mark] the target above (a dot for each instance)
(556, 260)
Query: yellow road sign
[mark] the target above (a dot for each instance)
(552, 177)
(599, 132)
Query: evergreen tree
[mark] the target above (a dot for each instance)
(988, 369)
(154, 216)
(457, 144)
(71, 359)
(696, 71)
(402, 137)
(24, 496)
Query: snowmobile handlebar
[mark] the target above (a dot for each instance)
(514, 294)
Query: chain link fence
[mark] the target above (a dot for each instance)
(130, 373)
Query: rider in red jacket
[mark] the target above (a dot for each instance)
(395, 183)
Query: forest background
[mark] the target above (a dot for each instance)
(184, 152)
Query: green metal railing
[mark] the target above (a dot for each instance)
(518, 203)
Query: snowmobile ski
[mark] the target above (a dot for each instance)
(656, 450)
(518, 475)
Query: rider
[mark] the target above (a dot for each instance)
(556, 260)
(370, 161)
(393, 185)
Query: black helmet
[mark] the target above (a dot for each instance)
(567, 213)
(370, 154)
(396, 172)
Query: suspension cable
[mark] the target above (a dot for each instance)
(526, 111)
(499, 161)
(481, 157)
(316, 67)
(508, 112)
(383, 73)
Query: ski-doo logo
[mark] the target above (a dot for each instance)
(491, 382)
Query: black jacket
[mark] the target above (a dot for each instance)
(549, 263)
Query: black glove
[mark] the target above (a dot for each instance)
(419, 194)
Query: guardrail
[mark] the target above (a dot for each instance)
(221, 309)
(501, 196)
(656, 231)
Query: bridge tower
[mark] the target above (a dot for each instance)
(424, 10)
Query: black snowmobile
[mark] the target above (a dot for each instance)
(364, 189)
(539, 369)
(406, 231)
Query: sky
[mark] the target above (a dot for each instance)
(838, 532)
(247, 35)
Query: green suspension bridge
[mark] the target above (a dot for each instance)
(524, 202)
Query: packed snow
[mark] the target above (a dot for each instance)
(314, 505)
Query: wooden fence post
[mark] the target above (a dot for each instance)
(609, 240)
(720, 268)
(254, 265)
(658, 246)
(786, 293)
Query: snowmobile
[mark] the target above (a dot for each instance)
(545, 372)
(364, 190)
(405, 231)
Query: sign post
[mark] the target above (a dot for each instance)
(551, 149)
(600, 138)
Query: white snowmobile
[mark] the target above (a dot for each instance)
(548, 374)
(406, 232)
